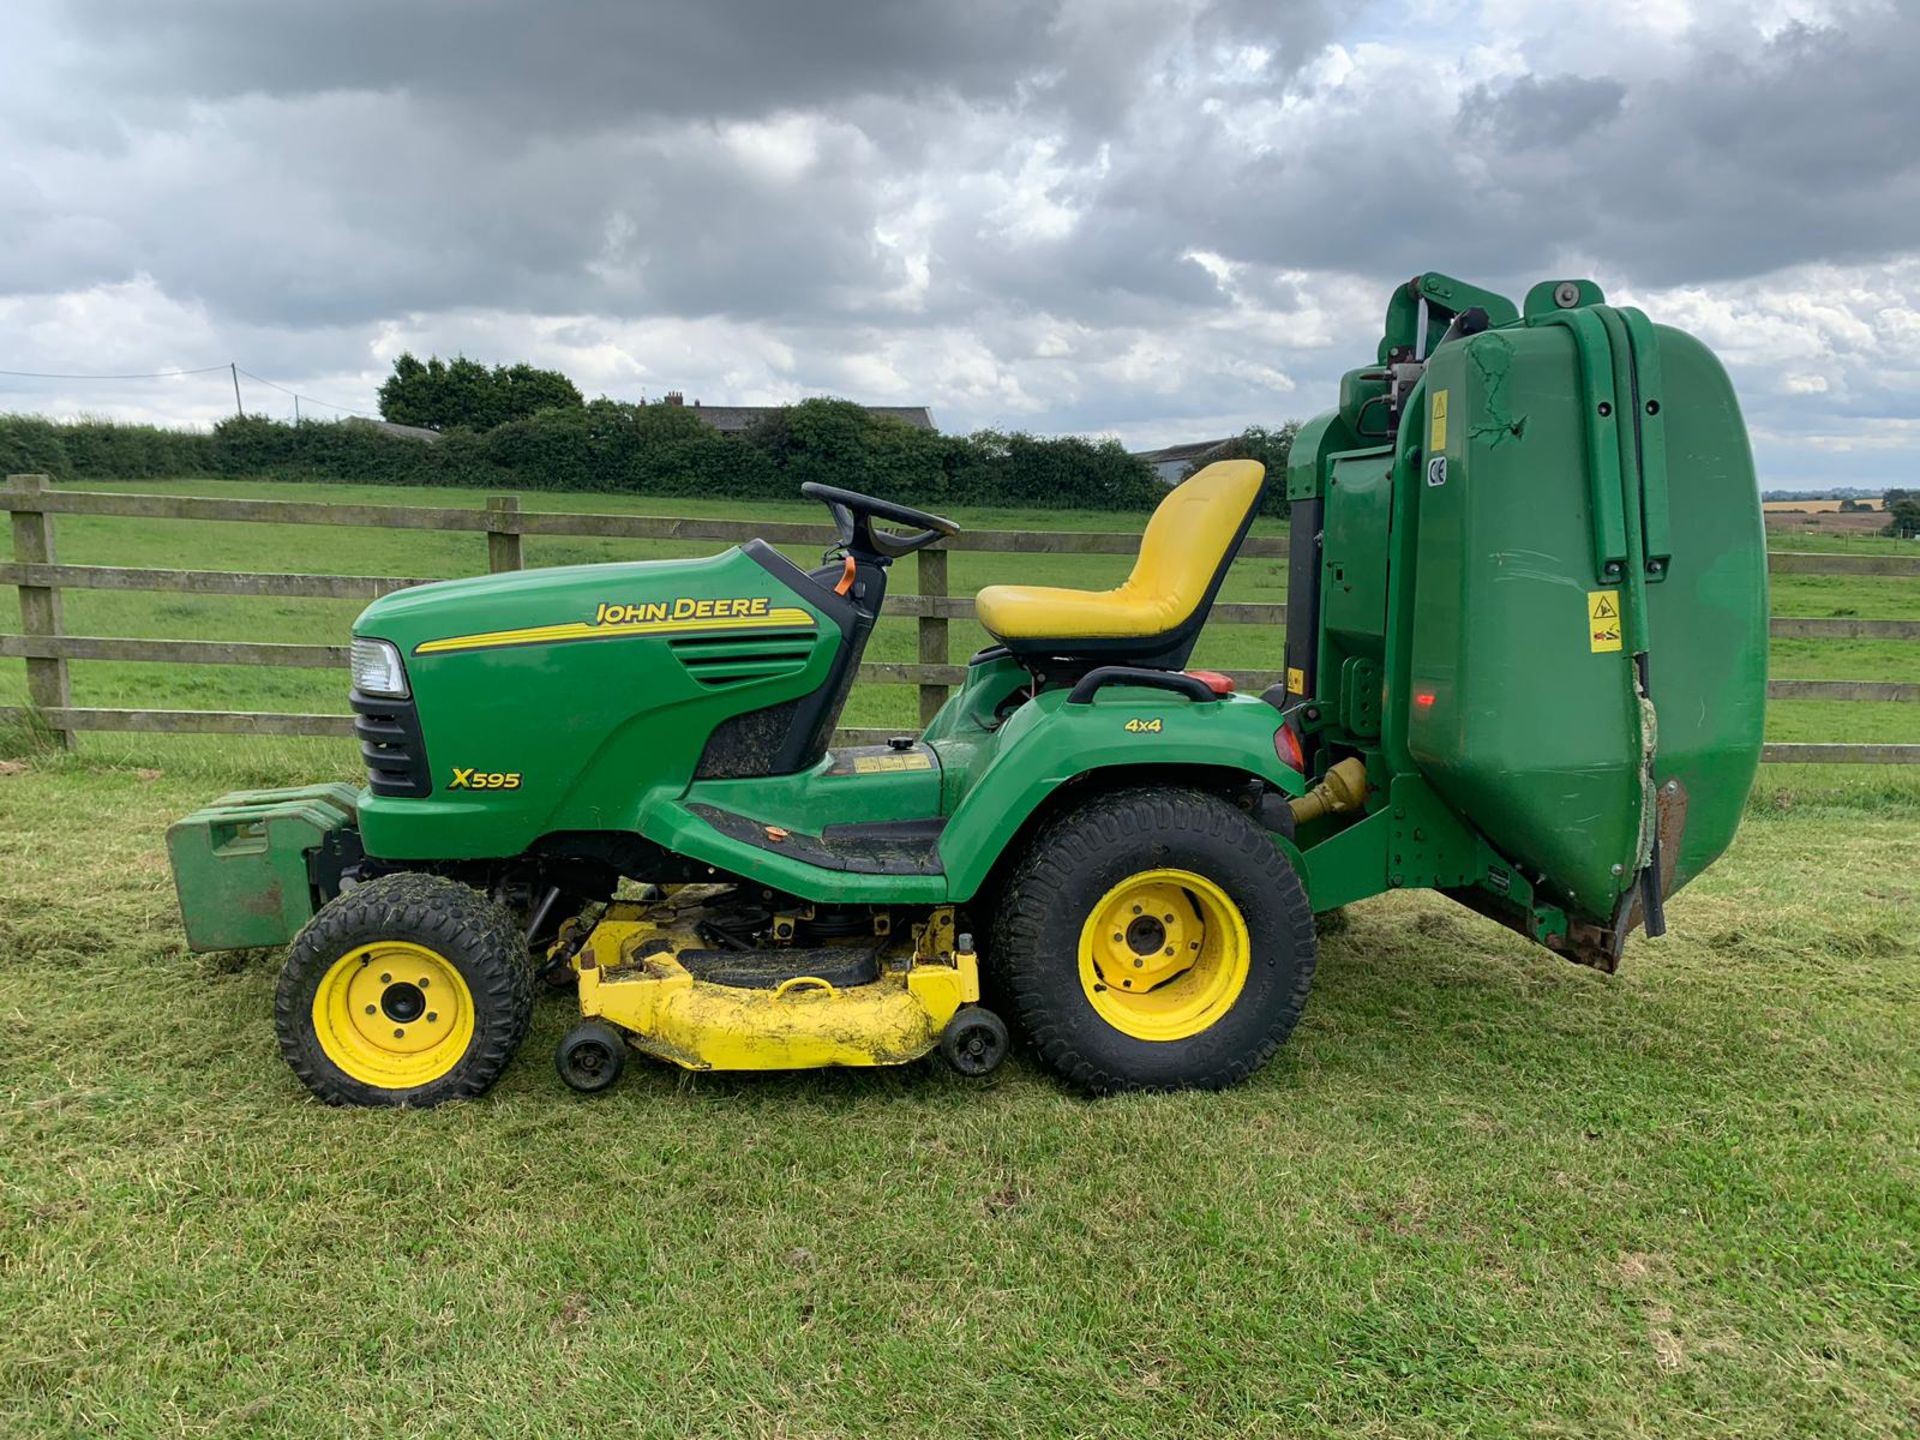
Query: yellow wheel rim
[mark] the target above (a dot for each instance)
(393, 1014)
(1164, 955)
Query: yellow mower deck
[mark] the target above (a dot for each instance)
(630, 976)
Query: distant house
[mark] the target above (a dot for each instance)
(398, 432)
(1172, 462)
(735, 419)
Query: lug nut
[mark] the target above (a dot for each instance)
(423, 982)
(431, 1017)
(1169, 949)
(371, 1009)
(399, 1034)
(386, 979)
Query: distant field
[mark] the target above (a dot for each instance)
(1854, 530)
(227, 546)
(1784, 507)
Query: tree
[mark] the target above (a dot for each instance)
(444, 394)
(1903, 514)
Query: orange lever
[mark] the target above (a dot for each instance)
(846, 578)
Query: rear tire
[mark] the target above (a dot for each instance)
(408, 990)
(1155, 939)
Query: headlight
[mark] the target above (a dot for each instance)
(377, 669)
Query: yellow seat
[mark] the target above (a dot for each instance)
(1154, 616)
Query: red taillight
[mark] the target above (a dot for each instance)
(1423, 698)
(1214, 681)
(1286, 745)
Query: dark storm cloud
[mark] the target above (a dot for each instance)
(1025, 201)
(1529, 112)
(1734, 165)
(568, 65)
(365, 156)
(356, 158)
(571, 64)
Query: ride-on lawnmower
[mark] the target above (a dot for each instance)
(1525, 666)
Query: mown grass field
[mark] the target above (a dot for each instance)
(1482, 1191)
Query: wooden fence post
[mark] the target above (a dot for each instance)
(48, 685)
(933, 629)
(503, 545)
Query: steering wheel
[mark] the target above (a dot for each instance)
(854, 514)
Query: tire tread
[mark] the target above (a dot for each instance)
(453, 919)
(1043, 886)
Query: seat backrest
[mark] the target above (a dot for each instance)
(1193, 535)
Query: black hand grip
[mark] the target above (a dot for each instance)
(1177, 681)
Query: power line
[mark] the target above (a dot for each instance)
(298, 395)
(154, 375)
(302, 395)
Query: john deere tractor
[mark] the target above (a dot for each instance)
(1525, 665)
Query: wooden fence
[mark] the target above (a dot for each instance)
(48, 649)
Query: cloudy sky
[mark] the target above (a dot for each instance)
(1161, 219)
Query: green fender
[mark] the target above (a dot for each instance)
(1047, 742)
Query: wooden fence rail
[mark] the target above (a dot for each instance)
(47, 649)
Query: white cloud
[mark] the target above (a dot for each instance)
(1156, 218)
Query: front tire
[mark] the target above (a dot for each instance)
(409, 990)
(1155, 939)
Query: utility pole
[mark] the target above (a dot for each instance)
(296, 409)
(234, 366)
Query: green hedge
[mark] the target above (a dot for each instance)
(626, 449)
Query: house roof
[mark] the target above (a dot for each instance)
(1190, 450)
(399, 432)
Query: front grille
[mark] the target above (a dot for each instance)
(391, 745)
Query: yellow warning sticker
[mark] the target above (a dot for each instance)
(1437, 433)
(1603, 620)
(1296, 681)
(888, 764)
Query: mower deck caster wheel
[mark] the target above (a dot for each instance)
(590, 1057)
(975, 1041)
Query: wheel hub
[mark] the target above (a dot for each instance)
(1149, 932)
(393, 1014)
(1164, 954)
(403, 1002)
